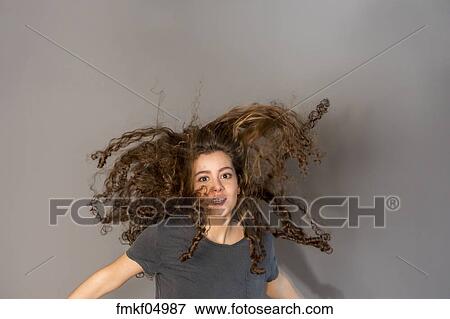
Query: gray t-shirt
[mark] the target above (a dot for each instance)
(214, 271)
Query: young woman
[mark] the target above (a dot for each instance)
(221, 246)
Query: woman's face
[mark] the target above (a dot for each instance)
(215, 180)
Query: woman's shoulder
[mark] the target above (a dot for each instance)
(268, 236)
(268, 242)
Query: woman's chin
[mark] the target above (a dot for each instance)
(219, 211)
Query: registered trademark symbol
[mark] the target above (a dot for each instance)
(392, 203)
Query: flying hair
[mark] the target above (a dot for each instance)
(156, 162)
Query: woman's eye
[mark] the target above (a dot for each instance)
(205, 178)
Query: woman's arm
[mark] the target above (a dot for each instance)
(107, 279)
(282, 288)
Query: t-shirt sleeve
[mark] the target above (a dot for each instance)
(272, 271)
(144, 250)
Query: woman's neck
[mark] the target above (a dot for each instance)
(226, 233)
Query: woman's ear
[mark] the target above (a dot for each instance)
(239, 190)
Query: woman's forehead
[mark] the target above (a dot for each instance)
(212, 161)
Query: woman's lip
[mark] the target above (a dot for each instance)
(211, 201)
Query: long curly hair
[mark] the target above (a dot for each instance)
(157, 162)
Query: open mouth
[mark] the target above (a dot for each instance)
(217, 201)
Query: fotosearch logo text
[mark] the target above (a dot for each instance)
(184, 207)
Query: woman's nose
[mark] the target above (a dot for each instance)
(216, 185)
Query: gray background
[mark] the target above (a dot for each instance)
(74, 74)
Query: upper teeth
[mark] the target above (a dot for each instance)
(218, 200)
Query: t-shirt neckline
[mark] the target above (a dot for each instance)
(238, 243)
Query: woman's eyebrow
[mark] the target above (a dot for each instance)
(210, 171)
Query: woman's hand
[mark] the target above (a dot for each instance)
(282, 288)
(107, 279)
